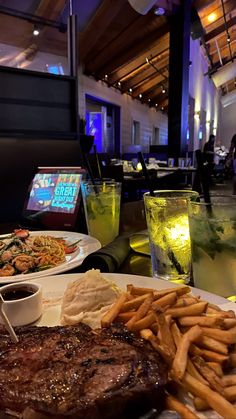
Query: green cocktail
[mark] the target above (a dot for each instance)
(168, 228)
(102, 209)
(213, 241)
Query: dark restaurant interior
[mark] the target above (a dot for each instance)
(118, 144)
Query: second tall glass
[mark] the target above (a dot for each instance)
(168, 228)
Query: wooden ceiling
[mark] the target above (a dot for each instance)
(127, 50)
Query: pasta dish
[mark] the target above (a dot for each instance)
(21, 253)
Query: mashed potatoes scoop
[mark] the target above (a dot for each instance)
(87, 299)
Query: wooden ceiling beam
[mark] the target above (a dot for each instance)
(201, 4)
(217, 31)
(161, 102)
(157, 52)
(101, 66)
(151, 84)
(103, 17)
(156, 91)
(142, 77)
(131, 26)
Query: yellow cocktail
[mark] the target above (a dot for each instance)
(102, 209)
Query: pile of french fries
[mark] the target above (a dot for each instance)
(197, 340)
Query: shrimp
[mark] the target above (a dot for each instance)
(22, 234)
(24, 262)
(7, 270)
(6, 256)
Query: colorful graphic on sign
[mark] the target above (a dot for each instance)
(54, 192)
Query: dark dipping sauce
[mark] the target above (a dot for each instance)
(17, 294)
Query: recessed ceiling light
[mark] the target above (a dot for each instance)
(159, 11)
(162, 108)
(156, 104)
(140, 95)
(106, 76)
(36, 31)
(212, 17)
(119, 83)
(130, 89)
(149, 100)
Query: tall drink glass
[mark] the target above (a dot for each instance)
(102, 209)
(168, 228)
(213, 241)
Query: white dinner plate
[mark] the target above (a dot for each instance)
(86, 246)
(54, 288)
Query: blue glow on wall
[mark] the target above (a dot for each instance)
(55, 69)
(94, 127)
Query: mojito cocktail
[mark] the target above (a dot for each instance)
(102, 209)
(168, 228)
(213, 241)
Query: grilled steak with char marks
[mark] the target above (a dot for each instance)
(73, 371)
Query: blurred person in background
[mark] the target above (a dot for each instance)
(208, 156)
(231, 161)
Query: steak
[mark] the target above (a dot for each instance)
(74, 372)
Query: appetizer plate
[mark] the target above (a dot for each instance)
(86, 246)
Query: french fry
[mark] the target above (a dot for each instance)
(214, 307)
(217, 368)
(181, 290)
(141, 312)
(213, 399)
(229, 323)
(185, 301)
(163, 351)
(177, 335)
(138, 290)
(193, 310)
(209, 355)
(201, 321)
(168, 319)
(167, 300)
(173, 404)
(229, 380)
(164, 333)
(125, 317)
(194, 372)
(225, 336)
(158, 294)
(180, 361)
(143, 323)
(134, 303)
(221, 314)
(229, 393)
(209, 374)
(146, 334)
(232, 360)
(212, 344)
(111, 314)
(154, 328)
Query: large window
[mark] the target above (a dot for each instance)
(136, 132)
